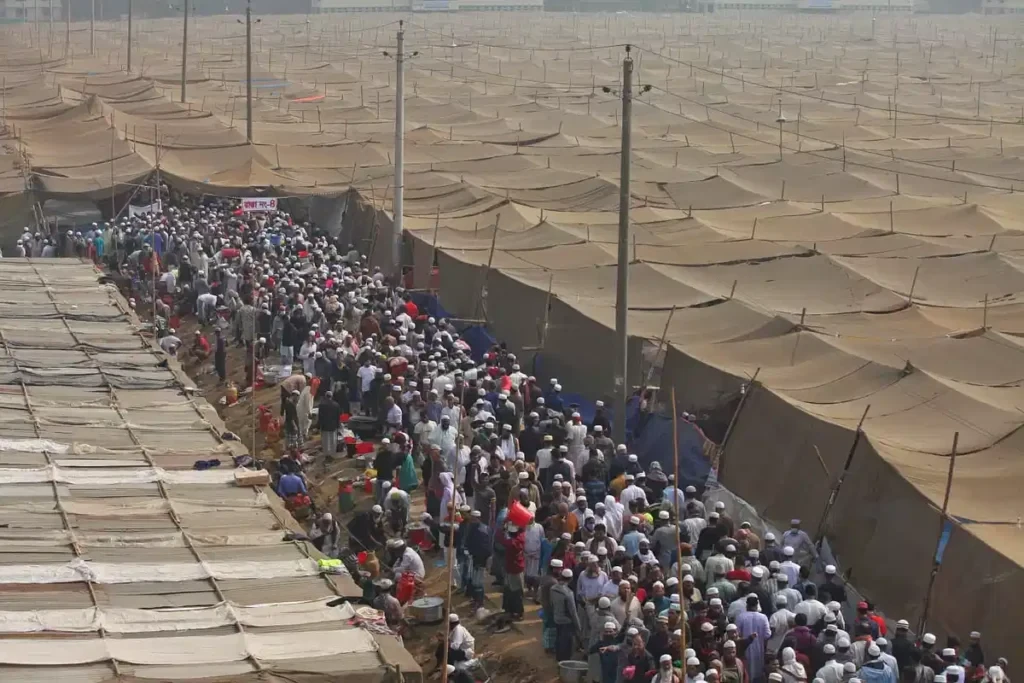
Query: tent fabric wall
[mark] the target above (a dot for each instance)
(873, 501)
(978, 589)
(771, 454)
(698, 386)
(460, 286)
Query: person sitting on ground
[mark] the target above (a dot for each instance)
(326, 536)
(460, 643)
(406, 561)
(200, 347)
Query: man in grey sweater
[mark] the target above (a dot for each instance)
(567, 620)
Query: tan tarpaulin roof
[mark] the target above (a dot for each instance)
(116, 556)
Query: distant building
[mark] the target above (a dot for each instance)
(1002, 6)
(332, 6)
(13, 11)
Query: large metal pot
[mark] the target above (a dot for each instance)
(572, 671)
(428, 610)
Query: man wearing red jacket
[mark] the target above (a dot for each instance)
(515, 566)
(411, 309)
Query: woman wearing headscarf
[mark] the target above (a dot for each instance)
(407, 470)
(613, 512)
(304, 409)
(792, 670)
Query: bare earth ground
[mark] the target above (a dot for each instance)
(511, 657)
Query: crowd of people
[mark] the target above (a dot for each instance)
(634, 572)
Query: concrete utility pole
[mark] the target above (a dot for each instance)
(397, 205)
(130, 3)
(622, 279)
(92, 27)
(184, 51)
(248, 71)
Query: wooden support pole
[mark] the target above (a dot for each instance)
(842, 475)
(913, 285)
(650, 370)
(943, 521)
(543, 336)
(451, 568)
(747, 389)
(675, 498)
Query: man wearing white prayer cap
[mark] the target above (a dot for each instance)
(460, 642)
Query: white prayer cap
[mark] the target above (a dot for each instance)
(604, 602)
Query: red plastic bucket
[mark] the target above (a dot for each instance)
(519, 515)
(418, 535)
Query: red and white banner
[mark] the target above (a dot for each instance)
(259, 204)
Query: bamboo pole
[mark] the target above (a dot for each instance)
(451, 570)
(675, 497)
(433, 247)
(113, 202)
(252, 396)
(943, 518)
(751, 385)
(820, 533)
(661, 344)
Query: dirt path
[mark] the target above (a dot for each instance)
(511, 657)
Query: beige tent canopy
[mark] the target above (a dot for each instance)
(117, 557)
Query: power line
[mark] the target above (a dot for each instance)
(835, 143)
(796, 93)
(832, 143)
(466, 42)
(828, 158)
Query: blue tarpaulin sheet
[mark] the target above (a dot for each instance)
(653, 441)
(477, 336)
